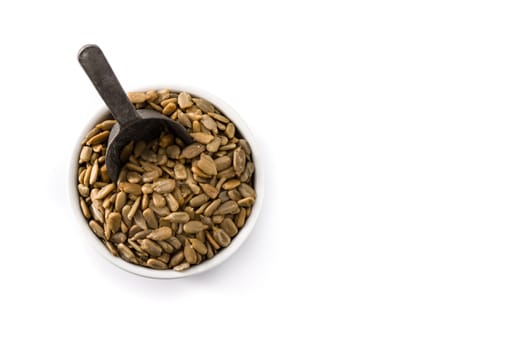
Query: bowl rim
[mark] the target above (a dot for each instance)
(224, 254)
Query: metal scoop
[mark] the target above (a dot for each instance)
(142, 124)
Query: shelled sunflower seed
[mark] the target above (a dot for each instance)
(174, 205)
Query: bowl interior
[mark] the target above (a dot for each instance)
(207, 264)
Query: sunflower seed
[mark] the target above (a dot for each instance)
(221, 126)
(209, 190)
(228, 207)
(209, 124)
(167, 101)
(151, 95)
(184, 100)
(213, 146)
(198, 246)
(96, 228)
(96, 213)
(155, 107)
(160, 234)
(163, 211)
(87, 174)
(164, 94)
(108, 201)
(150, 247)
(190, 211)
(195, 127)
(176, 259)
(227, 147)
(113, 221)
(133, 177)
(140, 235)
(166, 140)
(169, 108)
(166, 247)
(111, 248)
(199, 174)
(139, 220)
(150, 176)
(174, 242)
(124, 212)
(239, 160)
(83, 190)
(223, 163)
(182, 267)
(221, 238)
(202, 137)
(137, 97)
(189, 254)
(90, 134)
(210, 254)
(134, 208)
(173, 205)
(207, 165)
(135, 246)
(107, 231)
(180, 171)
(125, 154)
(164, 257)
(230, 130)
(198, 200)
(229, 227)
(118, 237)
(217, 219)
(246, 202)
(98, 138)
(194, 226)
(231, 184)
(85, 209)
(178, 217)
(144, 202)
(223, 196)
(164, 185)
(234, 195)
(130, 188)
(85, 154)
(209, 211)
(134, 167)
(156, 264)
(158, 200)
(106, 124)
(134, 229)
(147, 189)
(248, 172)
(204, 105)
(173, 151)
(94, 173)
(240, 218)
(151, 218)
(192, 151)
(246, 190)
(126, 253)
(104, 191)
(183, 118)
(219, 117)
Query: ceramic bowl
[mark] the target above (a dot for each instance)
(84, 230)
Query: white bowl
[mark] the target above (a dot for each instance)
(225, 253)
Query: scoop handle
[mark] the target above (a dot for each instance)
(97, 68)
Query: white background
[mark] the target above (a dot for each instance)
(393, 138)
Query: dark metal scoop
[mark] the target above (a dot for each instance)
(142, 124)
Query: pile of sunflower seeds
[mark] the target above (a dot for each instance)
(173, 206)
